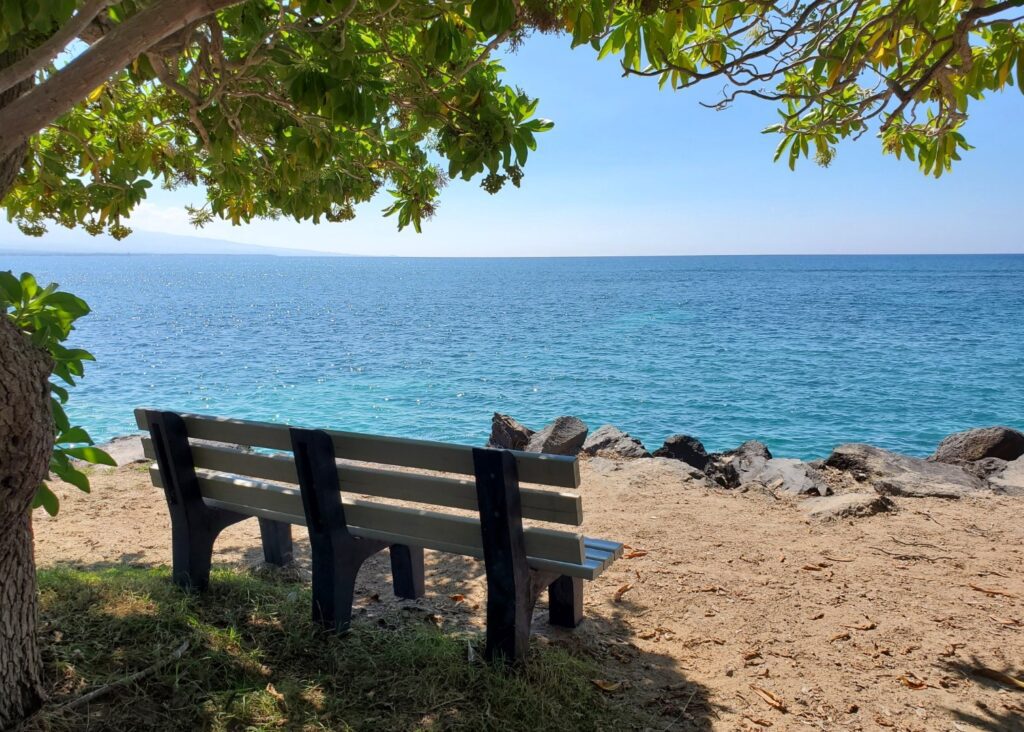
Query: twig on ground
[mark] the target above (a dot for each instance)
(137, 676)
(928, 516)
(917, 543)
(909, 557)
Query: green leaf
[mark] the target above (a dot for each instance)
(90, 455)
(73, 435)
(10, 288)
(69, 474)
(47, 499)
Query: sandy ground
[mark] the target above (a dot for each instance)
(731, 605)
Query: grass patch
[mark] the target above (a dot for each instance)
(256, 661)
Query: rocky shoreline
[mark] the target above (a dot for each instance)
(856, 479)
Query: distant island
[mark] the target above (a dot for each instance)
(142, 242)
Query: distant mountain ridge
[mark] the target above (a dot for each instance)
(140, 242)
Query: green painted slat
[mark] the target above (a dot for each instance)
(554, 470)
(538, 504)
(424, 528)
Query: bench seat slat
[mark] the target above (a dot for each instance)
(554, 470)
(538, 504)
(407, 525)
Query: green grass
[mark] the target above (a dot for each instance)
(256, 661)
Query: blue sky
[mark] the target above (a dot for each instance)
(630, 169)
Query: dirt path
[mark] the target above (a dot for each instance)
(732, 604)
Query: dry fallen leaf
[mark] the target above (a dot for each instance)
(457, 598)
(863, 626)
(912, 682)
(275, 693)
(622, 591)
(839, 636)
(951, 650)
(769, 698)
(811, 567)
(636, 554)
(609, 686)
(992, 592)
(758, 722)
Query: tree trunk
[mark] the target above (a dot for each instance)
(26, 441)
(10, 164)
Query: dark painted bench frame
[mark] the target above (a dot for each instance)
(513, 587)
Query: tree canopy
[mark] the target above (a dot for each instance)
(305, 108)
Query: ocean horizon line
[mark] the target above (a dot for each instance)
(311, 254)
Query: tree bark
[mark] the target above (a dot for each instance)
(10, 163)
(26, 441)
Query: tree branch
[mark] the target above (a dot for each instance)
(52, 46)
(71, 84)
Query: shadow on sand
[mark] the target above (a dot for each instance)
(649, 690)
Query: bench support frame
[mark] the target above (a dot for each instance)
(337, 554)
(194, 525)
(512, 587)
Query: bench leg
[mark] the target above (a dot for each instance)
(407, 571)
(334, 579)
(510, 586)
(277, 542)
(194, 525)
(565, 602)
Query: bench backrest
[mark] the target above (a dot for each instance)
(259, 484)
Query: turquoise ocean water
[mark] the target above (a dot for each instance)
(800, 352)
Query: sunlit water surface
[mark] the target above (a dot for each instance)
(800, 352)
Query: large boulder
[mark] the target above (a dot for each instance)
(845, 505)
(986, 442)
(1011, 479)
(685, 448)
(508, 434)
(733, 468)
(892, 474)
(794, 477)
(609, 441)
(564, 436)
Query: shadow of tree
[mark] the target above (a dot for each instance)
(257, 661)
(647, 688)
(1007, 720)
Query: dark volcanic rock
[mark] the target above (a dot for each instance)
(732, 468)
(508, 434)
(683, 447)
(900, 475)
(986, 469)
(610, 441)
(986, 442)
(564, 436)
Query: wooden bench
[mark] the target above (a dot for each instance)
(211, 486)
